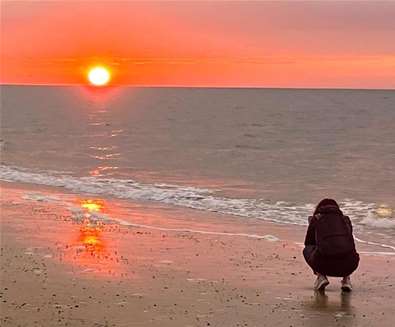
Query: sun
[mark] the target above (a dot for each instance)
(99, 76)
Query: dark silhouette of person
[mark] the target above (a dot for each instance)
(329, 245)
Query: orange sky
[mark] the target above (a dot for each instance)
(201, 43)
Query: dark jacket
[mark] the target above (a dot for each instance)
(329, 266)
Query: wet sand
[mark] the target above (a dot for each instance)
(154, 265)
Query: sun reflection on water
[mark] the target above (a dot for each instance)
(103, 171)
(384, 211)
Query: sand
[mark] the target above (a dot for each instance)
(173, 267)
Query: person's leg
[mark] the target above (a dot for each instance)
(346, 284)
(308, 255)
(321, 282)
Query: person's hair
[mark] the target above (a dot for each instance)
(324, 203)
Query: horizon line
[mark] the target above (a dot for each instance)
(201, 86)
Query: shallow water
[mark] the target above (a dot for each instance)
(253, 153)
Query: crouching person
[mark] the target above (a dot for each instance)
(329, 246)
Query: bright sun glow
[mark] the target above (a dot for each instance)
(92, 205)
(99, 76)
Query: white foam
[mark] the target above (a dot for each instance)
(377, 221)
(79, 215)
(190, 197)
(362, 213)
(270, 238)
(375, 243)
(39, 197)
(377, 253)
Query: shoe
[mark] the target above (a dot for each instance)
(346, 284)
(320, 283)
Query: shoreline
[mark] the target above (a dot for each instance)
(191, 269)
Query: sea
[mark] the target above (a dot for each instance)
(252, 153)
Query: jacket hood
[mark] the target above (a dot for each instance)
(329, 209)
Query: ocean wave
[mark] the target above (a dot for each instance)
(378, 222)
(363, 214)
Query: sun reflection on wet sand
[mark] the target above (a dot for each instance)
(72, 230)
(90, 237)
(94, 249)
(92, 205)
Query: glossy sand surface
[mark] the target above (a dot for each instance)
(154, 265)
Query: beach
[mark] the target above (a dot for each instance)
(159, 265)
